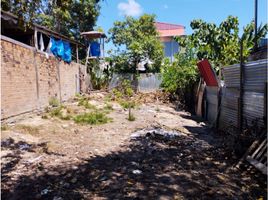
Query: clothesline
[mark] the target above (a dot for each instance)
(58, 48)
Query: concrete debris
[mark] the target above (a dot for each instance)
(155, 133)
(24, 146)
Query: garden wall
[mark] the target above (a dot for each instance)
(30, 78)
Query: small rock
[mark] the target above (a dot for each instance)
(134, 163)
(65, 126)
(137, 171)
(74, 180)
(66, 185)
(74, 167)
(44, 191)
(57, 198)
(104, 178)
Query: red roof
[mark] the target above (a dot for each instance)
(167, 26)
(167, 30)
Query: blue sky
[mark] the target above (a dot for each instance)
(181, 11)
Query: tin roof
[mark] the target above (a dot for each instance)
(11, 17)
(93, 34)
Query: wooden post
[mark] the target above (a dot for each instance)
(88, 49)
(35, 39)
(103, 48)
(77, 58)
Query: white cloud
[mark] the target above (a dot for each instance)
(166, 6)
(130, 8)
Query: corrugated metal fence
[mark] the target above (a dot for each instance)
(255, 78)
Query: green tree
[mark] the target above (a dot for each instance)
(180, 73)
(69, 17)
(136, 40)
(221, 44)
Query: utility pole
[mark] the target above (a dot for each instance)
(256, 25)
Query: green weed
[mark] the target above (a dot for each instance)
(127, 104)
(92, 118)
(84, 102)
(54, 102)
(108, 107)
(4, 127)
(28, 129)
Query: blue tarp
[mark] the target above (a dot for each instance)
(61, 49)
(95, 49)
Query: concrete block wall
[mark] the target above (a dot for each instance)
(30, 78)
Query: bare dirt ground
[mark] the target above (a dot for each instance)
(59, 159)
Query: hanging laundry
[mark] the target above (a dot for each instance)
(61, 49)
(41, 43)
(53, 47)
(49, 46)
(67, 52)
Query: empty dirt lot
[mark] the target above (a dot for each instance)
(50, 158)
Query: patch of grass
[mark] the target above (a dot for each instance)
(4, 127)
(127, 104)
(65, 117)
(28, 129)
(117, 94)
(54, 102)
(108, 98)
(56, 112)
(108, 107)
(95, 117)
(84, 102)
(44, 116)
(78, 95)
(157, 109)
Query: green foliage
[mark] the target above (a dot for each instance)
(123, 91)
(117, 94)
(4, 127)
(127, 104)
(180, 73)
(139, 39)
(108, 107)
(92, 118)
(99, 79)
(66, 17)
(83, 101)
(54, 102)
(220, 44)
(55, 112)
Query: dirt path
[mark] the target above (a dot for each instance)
(57, 159)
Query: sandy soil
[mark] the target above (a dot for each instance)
(59, 159)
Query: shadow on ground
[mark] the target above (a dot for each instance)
(147, 168)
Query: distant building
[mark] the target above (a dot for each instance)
(167, 32)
